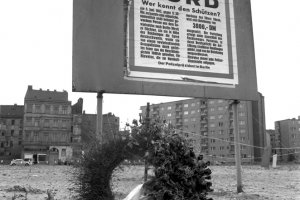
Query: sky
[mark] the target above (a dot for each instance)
(36, 49)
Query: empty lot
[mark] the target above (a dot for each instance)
(282, 183)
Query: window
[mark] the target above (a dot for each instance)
(243, 139)
(63, 152)
(220, 116)
(212, 109)
(222, 148)
(47, 108)
(220, 108)
(20, 132)
(242, 122)
(221, 124)
(29, 108)
(2, 145)
(220, 101)
(169, 107)
(221, 132)
(46, 134)
(36, 122)
(64, 123)
(169, 115)
(27, 134)
(212, 125)
(193, 119)
(56, 109)
(242, 131)
(12, 132)
(193, 112)
(212, 148)
(212, 117)
(241, 114)
(28, 119)
(186, 105)
(212, 132)
(12, 122)
(162, 109)
(186, 120)
(186, 112)
(38, 108)
(11, 144)
(193, 104)
(211, 102)
(55, 123)
(20, 143)
(212, 140)
(47, 123)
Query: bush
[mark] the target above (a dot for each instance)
(94, 173)
(178, 176)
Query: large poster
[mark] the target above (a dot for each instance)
(184, 40)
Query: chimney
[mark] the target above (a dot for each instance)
(29, 87)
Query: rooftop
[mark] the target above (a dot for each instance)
(45, 95)
(11, 111)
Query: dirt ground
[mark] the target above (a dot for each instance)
(282, 183)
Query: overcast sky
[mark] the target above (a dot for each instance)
(36, 49)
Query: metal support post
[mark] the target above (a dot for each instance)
(237, 146)
(147, 152)
(99, 133)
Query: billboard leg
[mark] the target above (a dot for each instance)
(237, 146)
(99, 133)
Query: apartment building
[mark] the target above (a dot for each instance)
(208, 123)
(11, 128)
(47, 126)
(287, 139)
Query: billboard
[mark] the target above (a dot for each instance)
(188, 48)
(184, 40)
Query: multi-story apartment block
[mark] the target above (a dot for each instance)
(208, 123)
(47, 126)
(274, 140)
(11, 128)
(287, 139)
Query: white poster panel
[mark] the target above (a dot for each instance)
(185, 40)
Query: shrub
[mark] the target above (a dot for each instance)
(94, 173)
(178, 176)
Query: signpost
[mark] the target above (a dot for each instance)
(194, 48)
(183, 48)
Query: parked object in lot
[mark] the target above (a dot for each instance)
(26, 162)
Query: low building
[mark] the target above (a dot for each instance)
(11, 128)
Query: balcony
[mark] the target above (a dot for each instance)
(178, 108)
(203, 113)
(155, 112)
(203, 106)
(204, 133)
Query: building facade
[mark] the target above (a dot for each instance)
(208, 123)
(47, 126)
(287, 139)
(11, 129)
